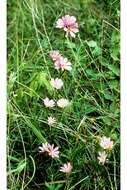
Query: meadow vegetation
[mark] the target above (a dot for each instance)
(91, 87)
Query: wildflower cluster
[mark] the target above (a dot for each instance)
(62, 102)
(69, 24)
(60, 63)
(106, 144)
(53, 152)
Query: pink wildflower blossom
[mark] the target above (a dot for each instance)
(44, 147)
(56, 83)
(55, 55)
(49, 103)
(50, 150)
(51, 121)
(59, 61)
(106, 143)
(69, 24)
(66, 168)
(53, 152)
(63, 64)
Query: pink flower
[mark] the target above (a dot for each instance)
(63, 64)
(106, 143)
(51, 121)
(53, 152)
(56, 83)
(102, 157)
(50, 150)
(69, 24)
(59, 61)
(49, 103)
(44, 147)
(55, 55)
(66, 168)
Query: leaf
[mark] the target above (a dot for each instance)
(107, 120)
(114, 49)
(12, 79)
(45, 43)
(115, 137)
(94, 74)
(20, 93)
(115, 37)
(91, 43)
(115, 54)
(114, 84)
(70, 45)
(20, 167)
(114, 108)
(34, 129)
(108, 95)
(89, 108)
(97, 51)
(41, 79)
(53, 186)
(114, 69)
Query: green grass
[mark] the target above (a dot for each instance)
(92, 87)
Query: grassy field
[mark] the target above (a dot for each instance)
(92, 88)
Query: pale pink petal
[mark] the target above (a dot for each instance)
(72, 19)
(75, 30)
(59, 23)
(55, 55)
(72, 34)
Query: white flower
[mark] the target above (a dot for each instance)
(62, 102)
(102, 157)
(106, 143)
(49, 103)
(51, 121)
(66, 168)
(56, 83)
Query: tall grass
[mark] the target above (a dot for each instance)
(92, 87)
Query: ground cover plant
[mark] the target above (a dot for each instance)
(63, 95)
